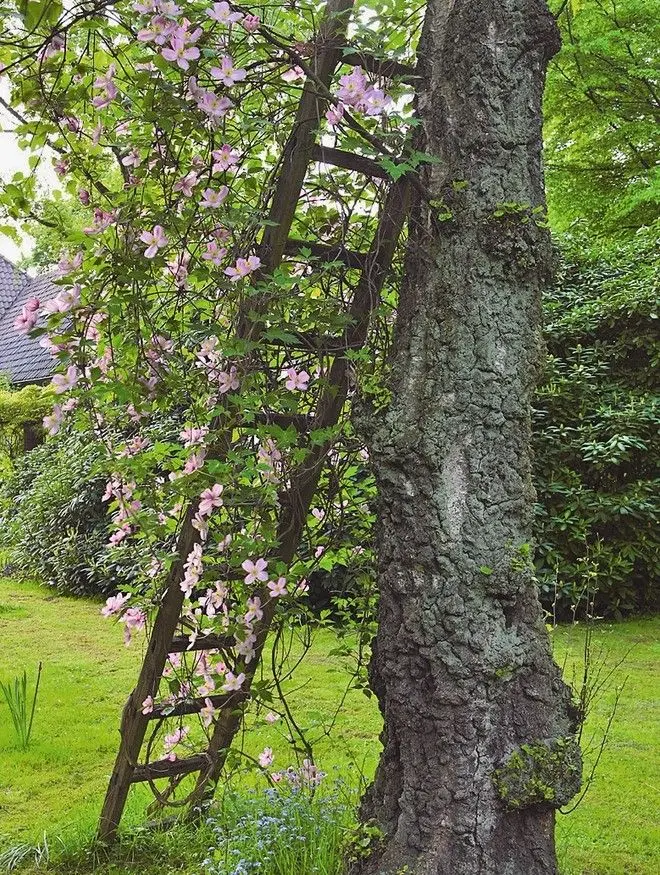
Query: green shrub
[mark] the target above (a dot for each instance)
(54, 524)
(19, 408)
(596, 432)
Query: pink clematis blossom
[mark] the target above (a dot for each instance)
(208, 713)
(53, 421)
(132, 159)
(155, 240)
(228, 382)
(334, 115)
(210, 498)
(172, 740)
(256, 571)
(186, 184)
(26, 320)
(243, 267)
(271, 718)
(222, 13)
(266, 757)
(213, 199)
(106, 83)
(160, 30)
(254, 611)
(148, 705)
(192, 435)
(195, 462)
(114, 604)
(251, 23)
(224, 158)
(227, 73)
(180, 53)
(213, 105)
(214, 253)
(296, 380)
(277, 587)
(293, 74)
(66, 382)
(233, 682)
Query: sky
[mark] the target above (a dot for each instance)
(13, 159)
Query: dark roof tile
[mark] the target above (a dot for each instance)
(21, 357)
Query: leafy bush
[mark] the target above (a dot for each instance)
(54, 524)
(19, 408)
(596, 432)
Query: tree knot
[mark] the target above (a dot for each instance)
(545, 772)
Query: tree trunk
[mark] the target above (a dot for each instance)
(479, 727)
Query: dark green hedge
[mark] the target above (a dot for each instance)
(596, 431)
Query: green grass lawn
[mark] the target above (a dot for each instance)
(56, 787)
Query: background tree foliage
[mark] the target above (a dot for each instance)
(596, 427)
(602, 108)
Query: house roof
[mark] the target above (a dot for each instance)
(21, 357)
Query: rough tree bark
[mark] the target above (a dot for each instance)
(479, 727)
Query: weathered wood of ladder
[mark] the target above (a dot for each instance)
(300, 151)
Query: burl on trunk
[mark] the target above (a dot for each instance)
(479, 727)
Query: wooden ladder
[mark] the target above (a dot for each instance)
(300, 151)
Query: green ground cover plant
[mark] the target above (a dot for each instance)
(55, 788)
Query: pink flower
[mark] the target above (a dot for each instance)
(155, 240)
(374, 101)
(83, 196)
(254, 611)
(195, 462)
(352, 87)
(33, 304)
(251, 23)
(132, 159)
(114, 604)
(293, 74)
(255, 570)
(160, 30)
(223, 14)
(214, 253)
(296, 380)
(277, 587)
(192, 435)
(208, 712)
(173, 739)
(53, 421)
(214, 105)
(67, 265)
(224, 157)
(228, 382)
(266, 757)
(271, 718)
(66, 382)
(233, 683)
(106, 83)
(134, 620)
(227, 73)
(334, 115)
(26, 320)
(186, 184)
(148, 705)
(213, 199)
(243, 267)
(180, 52)
(65, 301)
(210, 499)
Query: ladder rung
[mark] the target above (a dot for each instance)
(356, 260)
(349, 161)
(381, 66)
(169, 768)
(204, 642)
(192, 706)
